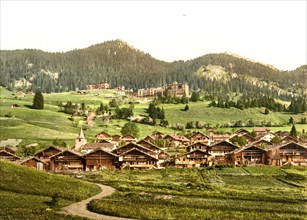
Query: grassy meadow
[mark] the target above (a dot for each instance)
(208, 193)
(44, 126)
(27, 193)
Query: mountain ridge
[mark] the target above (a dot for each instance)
(119, 63)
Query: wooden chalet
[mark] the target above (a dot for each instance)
(220, 150)
(250, 155)
(196, 158)
(45, 154)
(4, 155)
(177, 141)
(157, 135)
(150, 138)
(199, 137)
(260, 131)
(33, 162)
(103, 136)
(162, 156)
(136, 159)
(249, 138)
(116, 138)
(100, 159)
(107, 146)
(128, 138)
(242, 132)
(282, 133)
(262, 144)
(197, 146)
(266, 136)
(130, 146)
(288, 139)
(150, 146)
(10, 149)
(290, 153)
(215, 138)
(66, 161)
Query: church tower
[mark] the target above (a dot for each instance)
(80, 141)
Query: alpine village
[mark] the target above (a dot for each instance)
(216, 128)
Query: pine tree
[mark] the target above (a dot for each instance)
(38, 101)
(293, 132)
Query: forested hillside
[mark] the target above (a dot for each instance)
(120, 64)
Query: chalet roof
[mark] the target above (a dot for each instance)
(104, 141)
(157, 133)
(59, 148)
(135, 149)
(245, 148)
(248, 136)
(289, 138)
(223, 143)
(23, 160)
(150, 137)
(116, 135)
(11, 149)
(290, 143)
(261, 141)
(261, 130)
(70, 151)
(9, 154)
(100, 149)
(134, 145)
(266, 133)
(242, 130)
(92, 146)
(103, 133)
(146, 142)
(177, 138)
(282, 133)
(198, 132)
(226, 135)
(128, 137)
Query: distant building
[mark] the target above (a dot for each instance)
(175, 90)
(102, 85)
(150, 92)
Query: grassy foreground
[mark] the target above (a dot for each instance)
(209, 193)
(27, 193)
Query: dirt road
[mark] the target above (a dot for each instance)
(80, 208)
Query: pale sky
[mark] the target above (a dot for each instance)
(271, 32)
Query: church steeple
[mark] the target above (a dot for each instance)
(80, 141)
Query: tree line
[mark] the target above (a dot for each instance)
(118, 63)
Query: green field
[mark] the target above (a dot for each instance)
(27, 193)
(209, 193)
(220, 192)
(44, 126)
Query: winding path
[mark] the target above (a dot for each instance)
(80, 208)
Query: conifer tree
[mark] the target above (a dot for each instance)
(38, 101)
(293, 132)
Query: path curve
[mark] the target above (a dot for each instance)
(80, 208)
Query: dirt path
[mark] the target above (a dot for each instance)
(80, 208)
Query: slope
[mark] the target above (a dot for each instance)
(26, 193)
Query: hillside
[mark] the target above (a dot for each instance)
(118, 63)
(205, 193)
(26, 193)
(45, 126)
